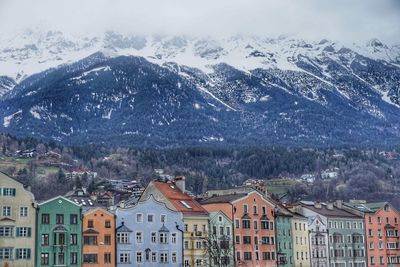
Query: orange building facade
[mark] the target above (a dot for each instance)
(98, 238)
(253, 226)
(382, 233)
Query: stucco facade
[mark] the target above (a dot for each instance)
(149, 234)
(318, 238)
(59, 233)
(284, 244)
(17, 224)
(98, 238)
(300, 241)
(382, 232)
(220, 239)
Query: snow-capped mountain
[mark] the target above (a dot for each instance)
(166, 90)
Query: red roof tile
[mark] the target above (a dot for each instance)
(182, 202)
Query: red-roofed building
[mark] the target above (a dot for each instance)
(195, 217)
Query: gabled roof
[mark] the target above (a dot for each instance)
(371, 207)
(123, 228)
(223, 198)
(181, 201)
(331, 213)
(54, 198)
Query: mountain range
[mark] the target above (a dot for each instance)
(133, 90)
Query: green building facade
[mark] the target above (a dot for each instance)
(220, 240)
(59, 233)
(284, 241)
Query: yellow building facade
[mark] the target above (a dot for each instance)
(301, 254)
(17, 224)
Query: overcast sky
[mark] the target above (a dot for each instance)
(344, 20)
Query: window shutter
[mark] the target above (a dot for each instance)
(1, 191)
(28, 253)
(17, 253)
(29, 231)
(11, 231)
(14, 192)
(17, 232)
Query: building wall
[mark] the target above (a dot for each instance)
(378, 239)
(195, 247)
(65, 207)
(346, 228)
(301, 254)
(221, 229)
(257, 200)
(102, 222)
(22, 199)
(284, 241)
(145, 228)
(318, 239)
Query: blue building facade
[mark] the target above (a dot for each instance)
(149, 234)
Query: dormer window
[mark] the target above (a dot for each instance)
(185, 204)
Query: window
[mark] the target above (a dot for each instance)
(247, 256)
(90, 240)
(379, 220)
(90, 224)
(186, 228)
(73, 219)
(89, 258)
(45, 218)
(237, 239)
(174, 257)
(163, 237)
(5, 253)
(150, 218)
(221, 230)
(122, 238)
(107, 239)
(23, 211)
(23, 232)
(246, 240)
(173, 238)
(124, 258)
(203, 227)
(107, 257)
(139, 237)
(153, 256)
(59, 218)
(245, 208)
(73, 239)
(153, 237)
(107, 224)
(7, 211)
(9, 192)
(163, 257)
(255, 225)
(238, 255)
(186, 263)
(228, 231)
(254, 209)
(23, 253)
(139, 257)
(44, 258)
(246, 224)
(6, 231)
(163, 218)
(264, 210)
(264, 225)
(185, 204)
(220, 218)
(45, 240)
(237, 223)
(186, 244)
(198, 245)
(139, 217)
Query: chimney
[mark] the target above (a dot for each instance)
(317, 205)
(339, 203)
(329, 206)
(180, 183)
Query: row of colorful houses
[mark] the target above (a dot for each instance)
(168, 227)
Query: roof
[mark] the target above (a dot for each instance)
(57, 197)
(332, 213)
(164, 229)
(223, 198)
(181, 201)
(123, 228)
(367, 207)
(90, 232)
